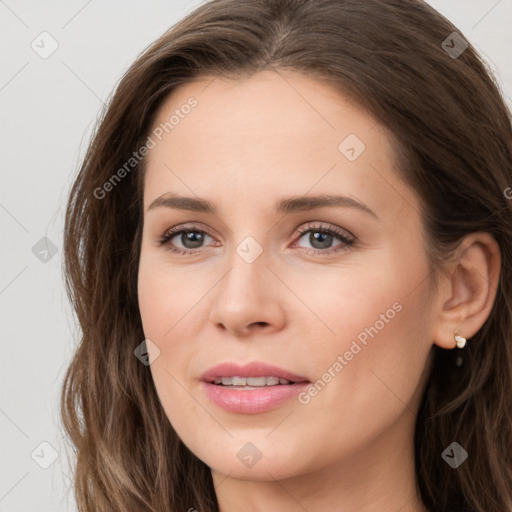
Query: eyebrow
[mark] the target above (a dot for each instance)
(284, 206)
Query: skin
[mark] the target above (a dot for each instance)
(247, 144)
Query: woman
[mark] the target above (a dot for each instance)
(289, 248)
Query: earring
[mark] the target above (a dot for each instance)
(461, 342)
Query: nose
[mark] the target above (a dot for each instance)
(249, 299)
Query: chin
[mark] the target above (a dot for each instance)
(246, 462)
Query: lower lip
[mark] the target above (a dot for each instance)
(252, 401)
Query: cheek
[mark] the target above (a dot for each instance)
(153, 303)
(373, 356)
(358, 301)
(173, 308)
(163, 303)
(168, 297)
(377, 361)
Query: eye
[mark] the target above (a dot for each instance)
(190, 238)
(321, 238)
(185, 240)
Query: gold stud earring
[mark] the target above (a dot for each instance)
(461, 342)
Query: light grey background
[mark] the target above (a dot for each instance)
(48, 108)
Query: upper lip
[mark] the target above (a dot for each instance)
(254, 369)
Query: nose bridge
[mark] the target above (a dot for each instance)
(248, 271)
(247, 294)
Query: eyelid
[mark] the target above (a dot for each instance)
(188, 226)
(322, 226)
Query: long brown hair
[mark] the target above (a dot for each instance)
(453, 131)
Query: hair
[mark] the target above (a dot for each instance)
(454, 148)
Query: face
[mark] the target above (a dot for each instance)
(298, 263)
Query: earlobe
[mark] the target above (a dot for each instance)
(468, 291)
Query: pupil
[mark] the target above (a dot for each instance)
(192, 237)
(324, 238)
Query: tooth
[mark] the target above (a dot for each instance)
(237, 381)
(256, 381)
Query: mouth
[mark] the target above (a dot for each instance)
(253, 388)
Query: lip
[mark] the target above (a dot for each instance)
(251, 401)
(255, 369)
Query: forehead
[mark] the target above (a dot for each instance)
(257, 137)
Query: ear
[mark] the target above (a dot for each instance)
(468, 289)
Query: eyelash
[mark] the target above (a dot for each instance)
(346, 241)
